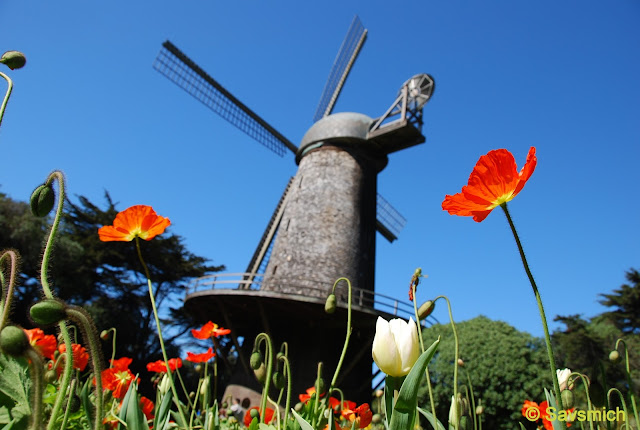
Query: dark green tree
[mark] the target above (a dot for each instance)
(104, 277)
(626, 304)
(506, 367)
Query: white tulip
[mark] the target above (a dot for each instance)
(563, 377)
(395, 346)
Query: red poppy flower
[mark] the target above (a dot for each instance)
(310, 391)
(137, 221)
(80, 355)
(209, 330)
(362, 415)
(147, 407)
(121, 363)
(45, 344)
(117, 381)
(160, 367)
(268, 417)
(494, 180)
(336, 405)
(200, 358)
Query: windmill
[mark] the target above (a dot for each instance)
(324, 226)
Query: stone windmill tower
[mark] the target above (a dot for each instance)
(324, 226)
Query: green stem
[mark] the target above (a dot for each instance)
(68, 367)
(67, 410)
(348, 335)
(456, 344)
(426, 371)
(473, 402)
(6, 96)
(7, 295)
(37, 383)
(174, 391)
(81, 317)
(287, 371)
(629, 380)
(545, 326)
(263, 337)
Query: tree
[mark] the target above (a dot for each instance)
(626, 302)
(506, 367)
(105, 278)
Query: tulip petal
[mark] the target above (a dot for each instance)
(384, 351)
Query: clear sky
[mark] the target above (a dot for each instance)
(560, 76)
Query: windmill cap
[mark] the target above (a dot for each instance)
(346, 127)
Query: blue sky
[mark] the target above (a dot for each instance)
(560, 76)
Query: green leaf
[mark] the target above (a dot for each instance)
(521, 426)
(14, 390)
(404, 411)
(551, 401)
(163, 410)
(86, 403)
(130, 412)
(303, 424)
(435, 423)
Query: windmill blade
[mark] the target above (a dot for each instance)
(389, 222)
(347, 55)
(180, 69)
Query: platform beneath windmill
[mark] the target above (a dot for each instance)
(311, 333)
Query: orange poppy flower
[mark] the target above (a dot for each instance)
(268, 416)
(210, 330)
(45, 344)
(137, 221)
(310, 392)
(494, 180)
(160, 367)
(117, 381)
(147, 407)
(361, 415)
(80, 355)
(200, 358)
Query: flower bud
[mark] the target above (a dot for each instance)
(460, 362)
(376, 418)
(426, 309)
(48, 312)
(13, 59)
(568, 399)
(298, 407)
(330, 304)
(256, 360)
(165, 385)
(479, 410)
(204, 387)
(454, 413)
(232, 420)
(104, 334)
(379, 393)
(42, 200)
(614, 356)
(261, 373)
(50, 376)
(74, 404)
(198, 368)
(278, 380)
(254, 413)
(321, 386)
(14, 341)
(395, 346)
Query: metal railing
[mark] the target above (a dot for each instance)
(253, 281)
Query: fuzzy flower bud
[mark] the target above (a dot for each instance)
(330, 304)
(14, 341)
(48, 312)
(13, 59)
(426, 309)
(256, 360)
(395, 346)
(278, 380)
(261, 373)
(614, 356)
(42, 200)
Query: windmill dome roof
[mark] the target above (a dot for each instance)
(347, 127)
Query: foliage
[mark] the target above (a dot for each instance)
(505, 367)
(626, 302)
(105, 278)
